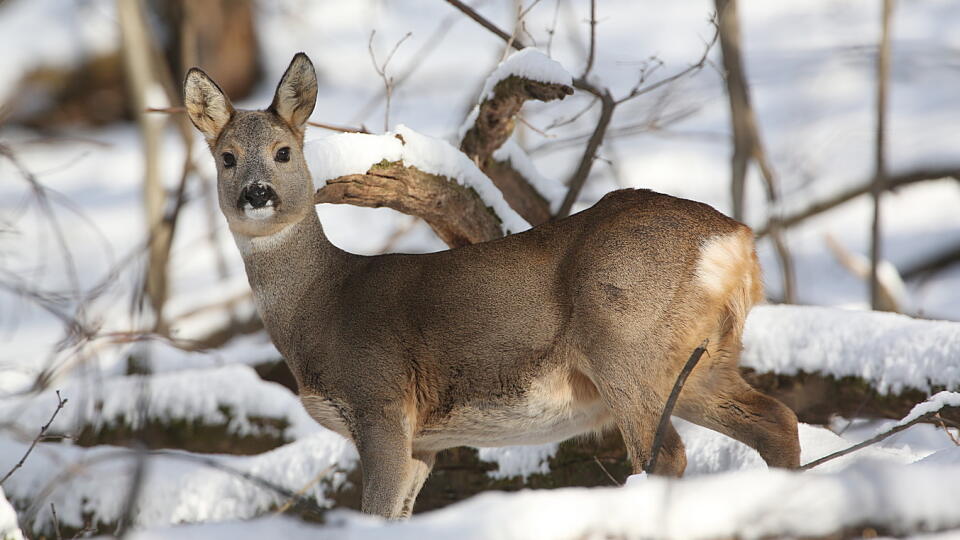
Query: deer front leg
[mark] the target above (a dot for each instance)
(386, 464)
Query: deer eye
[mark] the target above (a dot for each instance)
(283, 155)
(228, 160)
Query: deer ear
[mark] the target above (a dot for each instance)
(206, 104)
(297, 93)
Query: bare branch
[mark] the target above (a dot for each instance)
(639, 89)
(606, 472)
(893, 182)
(470, 12)
(579, 177)
(381, 69)
(43, 431)
(880, 171)
(56, 522)
(872, 440)
(593, 40)
(661, 432)
(456, 213)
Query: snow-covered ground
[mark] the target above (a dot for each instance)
(810, 64)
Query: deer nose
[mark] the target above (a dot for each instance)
(258, 195)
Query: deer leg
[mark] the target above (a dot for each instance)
(733, 408)
(421, 465)
(637, 412)
(387, 466)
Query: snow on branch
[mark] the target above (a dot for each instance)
(414, 174)
(931, 406)
(525, 75)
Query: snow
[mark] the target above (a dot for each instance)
(891, 352)
(9, 529)
(550, 189)
(356, 153)
(744, 504)
(175, 489)
(936, 402)
(519, 461)
(232, 395)
(528, 63)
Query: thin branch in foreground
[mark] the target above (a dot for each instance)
(302, 491)
(43, 431)
(651, 464)
(606, 472)
(872, 440)
(943, 426)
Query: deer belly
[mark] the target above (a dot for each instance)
(326, 413)
(553, 409)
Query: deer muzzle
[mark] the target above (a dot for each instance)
(257, 195)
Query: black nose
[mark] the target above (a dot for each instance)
(257, 195)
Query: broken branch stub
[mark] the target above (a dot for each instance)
(495, 121)
(456, 213)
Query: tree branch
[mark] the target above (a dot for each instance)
(579, 177)
(43, 431)
(873, 440)
(494, 124)
(456, 213)
(893, 182)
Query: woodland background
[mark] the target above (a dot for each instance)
(829, 126)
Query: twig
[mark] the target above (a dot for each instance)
(873, 440)
(381, 69)
(43, 430)
(639, 90)
(668, 407)
(316, 480)
(342, 129)
(593, 39)
(944, 427)
(579, 177)
(552, 29)
(880, 177)
(56, 522)
(606, 472)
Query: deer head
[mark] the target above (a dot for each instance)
(262, 178)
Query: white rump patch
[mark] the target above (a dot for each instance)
(724, 263)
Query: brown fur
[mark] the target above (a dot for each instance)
(567, 328)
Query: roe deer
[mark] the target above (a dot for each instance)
(571, 327)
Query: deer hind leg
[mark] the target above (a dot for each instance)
(421, 465)
(735, 409)
(636, 409)
(716, 397)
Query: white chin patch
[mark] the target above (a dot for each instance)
(258, 213)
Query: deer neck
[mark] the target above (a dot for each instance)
(284, 269)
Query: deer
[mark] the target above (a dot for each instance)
(573, 327)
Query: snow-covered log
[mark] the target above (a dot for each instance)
(414, 174)
(525, 75)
